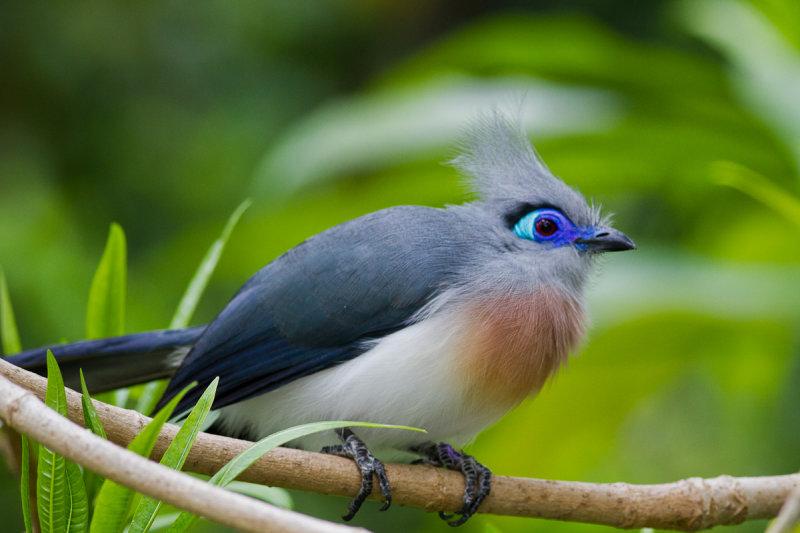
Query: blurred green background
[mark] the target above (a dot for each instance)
(163, 116)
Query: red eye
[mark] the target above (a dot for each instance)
(546, 226)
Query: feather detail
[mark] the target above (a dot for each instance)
(515, 343)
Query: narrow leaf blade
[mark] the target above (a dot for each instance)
(25, 485)
(77, 508)
(114, 500)
(51, 483)
(8, 325)
(194, 291)
(273, 495)
(92, 421)
(90, 417)
(197, 286)
(759, 188)
(105, 315)
(175, 456)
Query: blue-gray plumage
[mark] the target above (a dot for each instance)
(319, 303)
(438, 318)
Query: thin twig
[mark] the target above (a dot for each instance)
(789, 515)
(23, 411)
(10, 448)
(688, 505)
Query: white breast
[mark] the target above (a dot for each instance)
(411, 377)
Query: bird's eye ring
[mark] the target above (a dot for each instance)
(545, 226)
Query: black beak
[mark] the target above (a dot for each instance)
(607, 240)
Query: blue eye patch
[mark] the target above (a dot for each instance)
(548, 225)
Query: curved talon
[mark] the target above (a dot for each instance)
(383, 482)
(477, 478)
(368, 465)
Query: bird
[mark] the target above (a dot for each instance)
(441, 318)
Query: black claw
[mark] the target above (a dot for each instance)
(368, 465)
(477, 478)
(383, 482)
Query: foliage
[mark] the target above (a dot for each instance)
(8, 325)
(114, 500)
(61, 496)
(175, 456)
(25, 484)
(91, 480)
(105, 311)
(105, 314)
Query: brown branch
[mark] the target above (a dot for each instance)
(689, 504)
(10, 449)
(23, 411)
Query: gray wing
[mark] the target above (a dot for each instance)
(315, 306)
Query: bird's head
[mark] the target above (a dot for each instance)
(543, 230)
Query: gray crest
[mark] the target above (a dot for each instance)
(502, 166)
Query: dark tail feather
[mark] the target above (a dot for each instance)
(115, 362)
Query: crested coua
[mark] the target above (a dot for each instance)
(439, 318)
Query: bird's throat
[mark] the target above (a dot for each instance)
(514, 343)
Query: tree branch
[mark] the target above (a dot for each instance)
(23, 411)
(687, 505)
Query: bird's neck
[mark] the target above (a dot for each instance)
(514, 343)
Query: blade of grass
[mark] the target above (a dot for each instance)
(183, 315)
(25, 485)
(757, 187)
(62, 501)
(8, 326)
(113, 500)
(91, 480)
(105, 313)
(175, 456)
(242, 462)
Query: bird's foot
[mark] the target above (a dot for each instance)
(477, 478)
(355, 449)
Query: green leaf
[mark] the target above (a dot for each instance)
(274, 495)
(242, 462)
(77, 499)
(183, 315)
(105, 316)
(175, 456)
(197, 286)
(114, 500)
(164, 521)
(62, 502)
(758, 187)
(90, 417)
(489, 527)
(92, 421)
(8, 326)
(24, 485)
